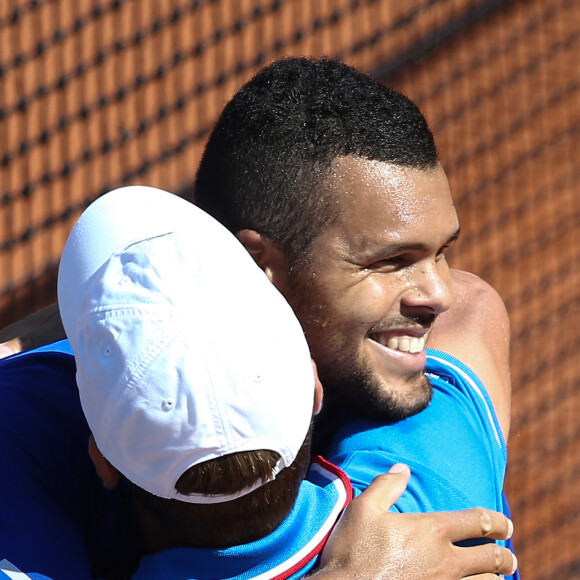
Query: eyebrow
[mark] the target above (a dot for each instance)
(453, 237)
(394, 248)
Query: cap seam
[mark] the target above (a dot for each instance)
(130, 379)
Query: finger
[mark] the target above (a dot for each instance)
(485, 559)
(478, 523)
(388, 487)
(10, 347)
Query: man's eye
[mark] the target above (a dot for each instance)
(390, 263)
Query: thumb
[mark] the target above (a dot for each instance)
(388, 487)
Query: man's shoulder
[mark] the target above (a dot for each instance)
(476, 305)
(459, 382)
(38, 375)
(476, 331)
(55, 355)
(452, 439)
(459, 403)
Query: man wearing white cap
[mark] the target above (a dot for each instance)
(197, 385)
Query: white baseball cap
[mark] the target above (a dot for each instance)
(185, 350)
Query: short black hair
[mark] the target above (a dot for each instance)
(276, 139)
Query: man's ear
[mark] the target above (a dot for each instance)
(268, 255)
(318, 390)
(108, 474)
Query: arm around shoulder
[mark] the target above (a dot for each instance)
(476, 331)
(370, 542)
(37, 329)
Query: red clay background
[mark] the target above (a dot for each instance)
(98, 94)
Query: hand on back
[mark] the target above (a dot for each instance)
(371, 542)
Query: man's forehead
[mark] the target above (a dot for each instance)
(378, 190)
(384, 203)
(350, 175)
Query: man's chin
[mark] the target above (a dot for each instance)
(392, 410)
(388, 404)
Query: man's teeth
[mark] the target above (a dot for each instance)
(412, 345)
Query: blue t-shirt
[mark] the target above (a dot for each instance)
(454, 447)
(56, 519)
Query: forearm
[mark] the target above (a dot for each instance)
(38, 329)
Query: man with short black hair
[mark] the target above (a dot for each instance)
(332, 182)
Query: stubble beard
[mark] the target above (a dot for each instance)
(357, 386)
(346, 379)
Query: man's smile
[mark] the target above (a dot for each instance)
(399, 350)
(410, 344)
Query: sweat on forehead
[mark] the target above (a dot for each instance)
(280, 133)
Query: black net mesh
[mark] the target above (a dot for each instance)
(98, 94)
